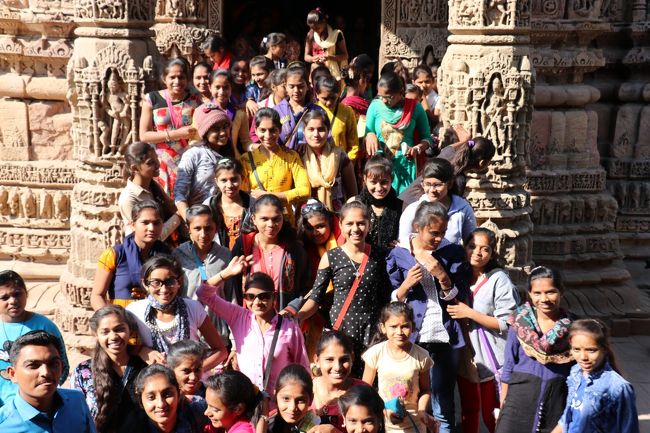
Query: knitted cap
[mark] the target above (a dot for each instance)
(206, 115)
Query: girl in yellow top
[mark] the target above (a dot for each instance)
(341, 117)
(272, 168)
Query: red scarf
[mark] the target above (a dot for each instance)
(357, 103)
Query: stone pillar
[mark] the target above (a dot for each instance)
(181, 26)
(35, 181)
(106, 77)
(486, 85)
(573, 213)
(626, 146)
(413, 30)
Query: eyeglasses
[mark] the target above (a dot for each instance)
(434, 185)
(263, 297)
(157, 284)
(312, 205)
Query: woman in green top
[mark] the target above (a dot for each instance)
(398, 127)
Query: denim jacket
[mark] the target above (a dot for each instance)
(608, 403)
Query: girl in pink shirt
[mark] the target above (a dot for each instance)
(253, 328)
(232, 401)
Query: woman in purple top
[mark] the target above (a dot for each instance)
(293, 109)
(537, 359)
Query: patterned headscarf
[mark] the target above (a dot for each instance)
(177, 306)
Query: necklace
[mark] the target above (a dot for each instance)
(356, 268)
(155, 328)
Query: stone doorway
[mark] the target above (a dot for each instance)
(247, 22)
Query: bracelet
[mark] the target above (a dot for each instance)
(169, 138)
(220, 276)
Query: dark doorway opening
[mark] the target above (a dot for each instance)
(246, 22)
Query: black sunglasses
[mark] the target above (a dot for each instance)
(264, 296)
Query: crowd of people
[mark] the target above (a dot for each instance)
(298, 257)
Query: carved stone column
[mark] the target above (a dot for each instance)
(573, 213)
(486, 84)
(181, 26)
(413, 29)
(35, 181)
(626, 145)
(106, 77)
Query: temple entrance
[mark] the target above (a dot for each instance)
(247, 22)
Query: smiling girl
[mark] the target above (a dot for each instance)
(599, 398)
(166, 317)
(402, 369)
(162, 406)
(141, 167)
(111, 368)
(233, 402)
(230, 205)
(358, 274)
(118, 271)
(195, 182)
(439, 186)
(430, 273)
(185, 358)
(293, 109)
(330, 171)
(537, 358)
(166, 119)
(363, 410)
(341, 117)
(494, 298)
(334, 359)
(294, 394)
(272, 168)
(253, 329)
(381, 199)
(221, 89)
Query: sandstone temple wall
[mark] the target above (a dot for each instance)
(561, 86)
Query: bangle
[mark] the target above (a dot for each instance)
(169, 138)
(221, 276)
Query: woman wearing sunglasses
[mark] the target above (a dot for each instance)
(397, 126)
(253, 328)
(165, 317)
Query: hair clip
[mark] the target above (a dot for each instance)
(209, 107)
(224, 161)
(470, 144)
(265, 40)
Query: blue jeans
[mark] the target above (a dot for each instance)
(443, 384)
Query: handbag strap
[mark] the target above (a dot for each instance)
(488, 348)
(269, 360)
(295, 127)
(254, 167)
(353, 289)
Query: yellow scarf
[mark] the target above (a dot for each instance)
(323, 171)
(329, 46)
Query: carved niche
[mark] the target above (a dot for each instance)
(412, 29)
(105, 97)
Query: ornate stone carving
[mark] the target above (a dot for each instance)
(411, 28)
(176, 40)
(487, 87)
(106, 11)
(575, 207)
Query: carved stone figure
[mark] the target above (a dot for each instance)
(61, 206)
(494, 111)
(46, 205)
(496, 13)
(4, 201)
(116, 103)
(14, 203)
(28, 203)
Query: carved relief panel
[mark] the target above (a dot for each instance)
(413, 31)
